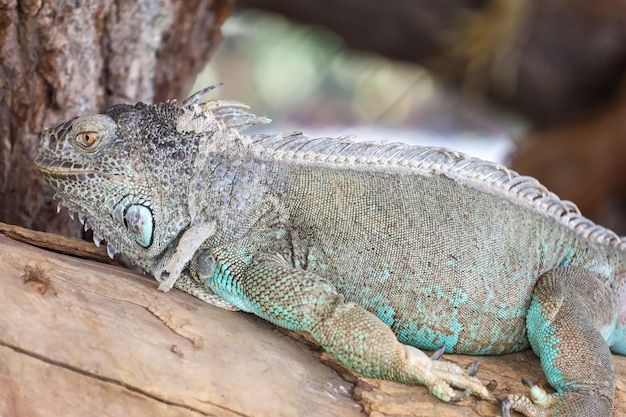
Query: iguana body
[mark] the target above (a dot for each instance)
(445, 250)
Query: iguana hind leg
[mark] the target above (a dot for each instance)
(363, 343)
(568, 309)
(300, 300)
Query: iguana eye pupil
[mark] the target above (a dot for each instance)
(86, 139)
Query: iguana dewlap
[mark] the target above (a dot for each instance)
(376, 249)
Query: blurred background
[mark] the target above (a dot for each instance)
(304, 77)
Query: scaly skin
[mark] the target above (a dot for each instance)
(377, 250)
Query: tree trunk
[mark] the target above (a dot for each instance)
(61, 59)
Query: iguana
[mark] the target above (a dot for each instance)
(376, 249)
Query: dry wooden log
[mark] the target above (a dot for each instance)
(82, 338)
(57, 243)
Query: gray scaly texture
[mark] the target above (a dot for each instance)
(376, 249)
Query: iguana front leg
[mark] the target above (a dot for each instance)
(185, 257)
(300, 300)
(568, 309)
(186, 248)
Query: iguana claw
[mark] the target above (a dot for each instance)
(528, 382)
(506, 407)
(472, 368)
(460, 397)
(538, 403)
(444, 378)
(438, 353)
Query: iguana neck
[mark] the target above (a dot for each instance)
(234, 188)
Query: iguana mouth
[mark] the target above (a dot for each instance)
(55, 169)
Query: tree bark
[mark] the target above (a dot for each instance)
(61, 59)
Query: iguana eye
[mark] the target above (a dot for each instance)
(86, 140)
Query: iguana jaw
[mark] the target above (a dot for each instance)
(137, 219)
(131, 213)
(54, 169)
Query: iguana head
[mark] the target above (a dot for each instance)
(127, 171)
